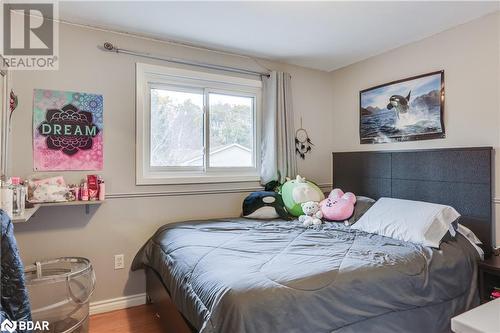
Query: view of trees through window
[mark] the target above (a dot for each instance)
(231, 131)
(177, 129)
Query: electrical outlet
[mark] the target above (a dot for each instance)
(119, 261)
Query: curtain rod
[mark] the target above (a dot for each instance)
(109, 47)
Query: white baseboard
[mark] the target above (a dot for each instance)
(119, 303)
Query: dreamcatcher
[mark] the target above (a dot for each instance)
(303, 144)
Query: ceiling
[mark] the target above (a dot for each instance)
(320, 35)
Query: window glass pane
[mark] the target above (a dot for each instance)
(176, 128)
(231, 131)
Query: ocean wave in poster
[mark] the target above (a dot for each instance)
(423, 117)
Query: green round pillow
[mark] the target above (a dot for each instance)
(297, 191)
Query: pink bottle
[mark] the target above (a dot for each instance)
(102, 191)
(84, 192)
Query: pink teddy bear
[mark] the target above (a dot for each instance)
(339, 206)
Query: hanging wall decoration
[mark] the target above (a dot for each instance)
(404, 110)
(67, 130)
(13, 102)
(303, 144)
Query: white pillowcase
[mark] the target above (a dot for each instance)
(472, 238)
(411, 221)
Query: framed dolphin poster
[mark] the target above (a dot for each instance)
(67, 130)
(404, 110)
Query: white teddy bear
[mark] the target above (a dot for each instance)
(312, 213)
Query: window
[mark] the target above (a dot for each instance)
(176, 127)
(196, 127)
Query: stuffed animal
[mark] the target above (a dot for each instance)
(297, 191)
(339, 206)
(264, 205)
(312, 213)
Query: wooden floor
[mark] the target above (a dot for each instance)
(140, 319)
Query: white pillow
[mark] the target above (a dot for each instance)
(411, 221)
(472, 238)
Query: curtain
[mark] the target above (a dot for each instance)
(278, 131)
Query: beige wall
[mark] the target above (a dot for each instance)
(328, 103)
(125, 221)
(469, 55)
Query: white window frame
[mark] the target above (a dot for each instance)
(154, 76)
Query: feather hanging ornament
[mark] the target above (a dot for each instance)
(13, 102)
(303, 144)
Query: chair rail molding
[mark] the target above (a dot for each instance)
(323, 186)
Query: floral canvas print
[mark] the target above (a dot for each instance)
(67, 130)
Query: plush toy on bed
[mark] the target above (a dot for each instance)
(339, 206)
(297, 191)
(264, 205)
(312, 213)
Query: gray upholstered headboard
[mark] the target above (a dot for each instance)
(459, 177)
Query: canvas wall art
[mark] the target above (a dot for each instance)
(67, 130)
(403, 110)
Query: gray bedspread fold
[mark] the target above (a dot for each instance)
(240, 275)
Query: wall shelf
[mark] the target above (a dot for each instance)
(29, 212)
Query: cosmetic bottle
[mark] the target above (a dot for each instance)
(18, 196)
(6, 197)
(85, 192)
(102, 189)
(77, 192)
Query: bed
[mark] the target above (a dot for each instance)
(240, 275)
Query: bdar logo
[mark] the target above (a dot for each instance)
(28, 326)
(8, 326)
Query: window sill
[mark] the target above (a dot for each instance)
(161, 179)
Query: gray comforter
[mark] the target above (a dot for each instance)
(240, 275)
